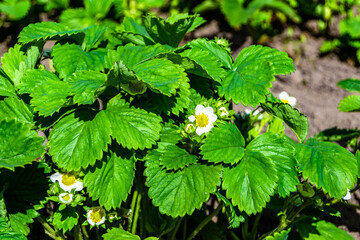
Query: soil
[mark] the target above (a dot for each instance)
(313, 84)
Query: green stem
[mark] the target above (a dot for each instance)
(77, 233)
(136, 215)
(255, 226)
(48, 229)
(245, 228)
(185, 228)
(233, 235)
(350, 205)
(206, 221)
(85, 233)
(132, 208)
(177, 226)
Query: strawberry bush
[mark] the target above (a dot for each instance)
(134, 137)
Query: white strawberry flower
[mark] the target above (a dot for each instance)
(223, 111)
(67, 181)
(347, 196)
(256, 112)
(204, 119)
(285, 98)
(96, 216)
(66, 197)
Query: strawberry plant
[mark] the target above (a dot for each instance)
(134, 137)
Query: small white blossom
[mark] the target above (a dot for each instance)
(66, 198)
(347, 196)
(67, 181)
(223, 111)
(247, 111)
(204, 119)
(256, 112)
(285, 98)
(96, 216)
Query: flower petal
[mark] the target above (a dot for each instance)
(78, 186)
(212, 118)
(199, 109)
(247, 111)
(209, 111)
(347, 196)
(56, 177)
(199, 131)
(283, 95)
(192, 118)
(292, 101)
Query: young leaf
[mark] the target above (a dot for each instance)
(119, 234)
(132, 127)
(111, 179)
(83, 86)
(329, 166)
(248, 81)
(283, 235)
(165, 32)
(19, 145)
(281, 152)
(6, 87)
(224, 144)
(234, 216)
(174, 158)
(49, 96)
(350, 104)
(70, 58)
(13, 108)
(66, 219)
(351, 85)
(46, 31)
(292, 117)
(13, 64)
(179, 193)
(79, 139)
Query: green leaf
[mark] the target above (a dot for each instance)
(93, 36)
(70, 58)
(130, 25)
(111, 179)
(224, 144)
(49, 96)
(33, 54)
(179, 193)
(19, 145)
(321, 230)
(14, 108)
(283, 235)
(7, 233)
(13, 64)
(83, 86)
(79, 139)
(281, 152)
(98, 8)
(132, 127)
(119, 234)
(77, 18)
(19, 221)
(161, 75)
(15, 9)
(197, 22)
(248, 81)
(165, 32)
(46, 31)
(34, 76)
(6, 87)
(351, 84)
(175, 158)
(328, 166)
(350, 104)
(65, 219)
(291, 116)
(251, 182)
(335, 134)
(350, 26)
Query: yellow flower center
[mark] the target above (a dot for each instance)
(96, 215)
(68, 179)
(202, 120)
(66, 197)
(285, 101)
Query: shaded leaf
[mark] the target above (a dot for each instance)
(351, 85)
(65, 219)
